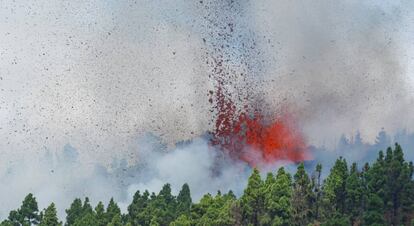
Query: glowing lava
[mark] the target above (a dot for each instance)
(254, 138)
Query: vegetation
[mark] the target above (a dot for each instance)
(372, 195)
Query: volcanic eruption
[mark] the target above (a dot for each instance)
(244, 127)
(255, 138)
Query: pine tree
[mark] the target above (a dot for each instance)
(27, 214)
(164, 206)
(265, 218)
(252, 199)
(112, 210)
(50, 218)
(184, 201)
(334, 190)
(100, 214)
(281, 192)
(29, 211)
(355, 194)
(397, 187)
(301, 197)
(407, 202)
(374, 184)
(74, 213)
(317, 191)
(136, 210)
(166, 196)
(86, 208)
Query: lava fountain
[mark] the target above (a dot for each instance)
(255, 138)
(235, 62)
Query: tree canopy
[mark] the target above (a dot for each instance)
(380, 193)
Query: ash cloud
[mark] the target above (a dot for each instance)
(99, 74)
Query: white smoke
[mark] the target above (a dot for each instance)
(198, 164)
(62, 177)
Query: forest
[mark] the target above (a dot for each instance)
(374, 194)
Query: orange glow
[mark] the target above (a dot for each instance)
(256, 139)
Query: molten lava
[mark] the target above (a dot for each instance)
(254, 138)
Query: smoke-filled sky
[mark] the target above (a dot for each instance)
(99, 74)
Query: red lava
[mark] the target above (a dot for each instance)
(254, 138)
